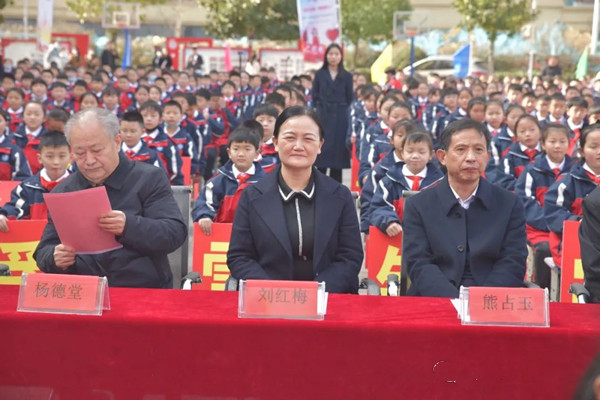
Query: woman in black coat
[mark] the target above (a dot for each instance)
(332, 97)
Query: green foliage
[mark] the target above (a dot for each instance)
(256, 19)
(4, 3)
(370, 20)
(401, 55)
(90, 9)
(495, 16)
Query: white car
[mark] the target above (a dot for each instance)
(443, 66)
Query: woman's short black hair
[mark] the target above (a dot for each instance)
(298, 111)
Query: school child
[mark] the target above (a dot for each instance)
(179, 135)
(142, 95)
(379, 143)
(464, 96)
(577, 109)
(15, 98)
(110, 101)
(217, 145)
(13, 165)
(8, 82)
(434, 115)
(59, 98)
(266, 115)
(505, 137)
(156, 139)
(563, 199)
(542, 105)
(56, 119)
(79, 89)
(532, 186)
(399, 131)
(254, 96)
(155, 94)
(28, 136)
(219, 198)
(25, 83)
(556, 109)
(529, 103)
(524, 150)
(594, 114)
(127, 93)
(132, 129)
(89, 100)
(420, 102)
(514, 94)
(476, 109)
(228, 90)
(183, 84)
(416, 173)
(39, 91)
(27, 201)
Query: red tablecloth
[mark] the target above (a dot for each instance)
(166, 344)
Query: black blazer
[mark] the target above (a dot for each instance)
(436, 238)
(589, 238)
(260, 246)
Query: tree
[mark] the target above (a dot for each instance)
(255, 19)
(86, 10)
(494, 17)
(370, 20)
(4, 3)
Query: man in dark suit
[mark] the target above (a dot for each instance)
(463, 231)
(589, 239)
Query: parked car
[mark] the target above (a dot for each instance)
(443, 66)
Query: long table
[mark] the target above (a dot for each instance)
(168, 344)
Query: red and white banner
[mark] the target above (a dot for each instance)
(319, 22)
(44, 22)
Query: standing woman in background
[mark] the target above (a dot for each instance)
(332, 97)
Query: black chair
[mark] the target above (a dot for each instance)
(583, 295)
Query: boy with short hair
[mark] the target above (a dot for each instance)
(59, 98)
(27, 201)
(15, 98)
(110, 101)
(39, 91)
(179, 135)
(433, 117)
(577, 109)
(132, 129)
(218, 200)
(266, 115)
(541, 107)
(13, 165)
(56, 119)
(79, 89)
(156, 139)
(556, 110)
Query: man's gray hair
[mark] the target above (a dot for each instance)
(106, 118)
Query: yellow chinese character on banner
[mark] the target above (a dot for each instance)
(19, 258)
(215, 265)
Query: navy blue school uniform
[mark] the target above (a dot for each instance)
(117, 111)
(517, 158)
(170, 157)
(563, 199)
(501, 143)
(260, 246)
(66, 104)
(30, 143)
(433, 119)
(332, 99)
(135, 106)
(368, 189)
(269, 156)
(574, 135)
(252, 98)
(27, 199)
(377, 133)
(16, 119)
(388, 204)
(457, 115)
(418, 106)
(446, 245)
(13, 164)
(532, 186)
(186, 147)
(176, 88)
(219, 198)
(142, 153)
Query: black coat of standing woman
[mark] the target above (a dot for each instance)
(332, 96)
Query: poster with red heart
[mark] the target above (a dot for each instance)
(319, 22)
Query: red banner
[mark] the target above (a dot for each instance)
(6, 187)
(355, 163)
(210, 256)
(383, 256)
(17, 247)
(572, 271)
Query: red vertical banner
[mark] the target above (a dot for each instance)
(17, 247)
(6, 187)
(355, 163)
(572, 270)
(186, 170)
(210, 256)
(383, 256)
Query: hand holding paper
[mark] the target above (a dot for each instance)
(64, 256)
(113, 222)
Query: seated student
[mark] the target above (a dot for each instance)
(156, 138)
(556, 110)
(476, 109)
(39, 91)
(178, 135)
(132, 128)
(127, 96)
(415, 174)
(277, 100)
(79, 89)
(296, 223)
(142, 95)
(59, 98)
(110, 101)
(528, 103)
(15, 98)
(514, 94)
(266, 115)
(563, 199)
(506, 137)
(8, 82)
(577, 109)
(97, 86)
(541, 107)
(88, 101)
(494, 117)
(27, 201)
(399, 132)
(381, 145)
(156, 94)
(28, 135)
(434, 115)
(594, 114)
(447, 238)
(463, 99)
(13, 165)
(420, 102)
(216, 148)
(56, 120)
(523, 152)
(532, 186)
(219, 198)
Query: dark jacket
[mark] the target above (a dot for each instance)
(154, 228)
(260, 246)
(439, 233)
(589, 239)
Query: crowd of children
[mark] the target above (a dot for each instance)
(545, 141)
